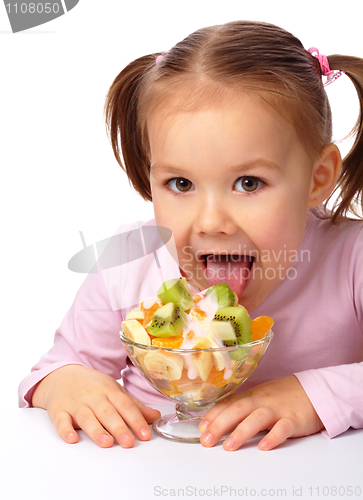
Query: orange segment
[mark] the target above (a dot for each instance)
(190, 335)
(184, 384)
(148, 313)
(197, 314)
(197, 298)
(172, 394)
(217, 377)
(261, 326)
(168, 342)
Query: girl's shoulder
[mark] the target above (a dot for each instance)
(335, 246)
(321, 230)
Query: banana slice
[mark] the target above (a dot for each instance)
(201, 343)
(203, 361)
(219, 360)
(192, 395)
(135, 313)
(200, 393)
(218, 357)
(164, 365)
(134, 331)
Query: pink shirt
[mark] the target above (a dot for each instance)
(318, 314)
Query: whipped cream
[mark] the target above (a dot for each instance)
(201, 328)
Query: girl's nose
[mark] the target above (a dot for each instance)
(214, 217)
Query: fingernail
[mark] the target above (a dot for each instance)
(103, 438)
(264, 445)
(207, 438)
(144, 432)
(125, 439)
(229, 443)
(70, 436)
(204, 424)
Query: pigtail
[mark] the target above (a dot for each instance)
(121, 116)
(350, 182)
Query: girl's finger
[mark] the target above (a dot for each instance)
(226, 421)
(218, 409)
(150, 414)
(259, 420)
(282, 430)
(114, 421)
(131, 414)
(63, 423)
(85, 418)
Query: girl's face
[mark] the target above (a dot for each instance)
(233, 180)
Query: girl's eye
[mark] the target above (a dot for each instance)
(180, 185)
(247, 184)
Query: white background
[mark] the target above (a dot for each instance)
(58, 173)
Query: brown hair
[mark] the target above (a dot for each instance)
(257, 57)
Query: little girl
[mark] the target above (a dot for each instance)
(229, 134)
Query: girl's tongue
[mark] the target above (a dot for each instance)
(231, 269)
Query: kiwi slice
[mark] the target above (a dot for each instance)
(167, 321)
(224, 295)
(176, 291)
(232, 325)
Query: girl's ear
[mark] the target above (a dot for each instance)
(324, 175)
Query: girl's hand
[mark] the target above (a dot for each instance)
(83, 398)
(281, 406)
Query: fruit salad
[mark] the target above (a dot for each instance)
(194, 345)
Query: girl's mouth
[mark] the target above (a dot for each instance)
(220, 258)
(233, 269)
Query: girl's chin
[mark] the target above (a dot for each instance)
(249, 303)
(253, 296)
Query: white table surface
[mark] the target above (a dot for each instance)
(37, 464)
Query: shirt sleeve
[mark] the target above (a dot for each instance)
(88, 335)
(337, 396)
(337, 392)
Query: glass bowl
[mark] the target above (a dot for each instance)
(193, 379)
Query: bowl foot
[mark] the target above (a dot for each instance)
(181, 426)
(184, 431)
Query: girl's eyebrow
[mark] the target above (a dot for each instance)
(162, 169)
(255, 164)
(266, 165)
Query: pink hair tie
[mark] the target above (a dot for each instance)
(324, 66)
(159, 59)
